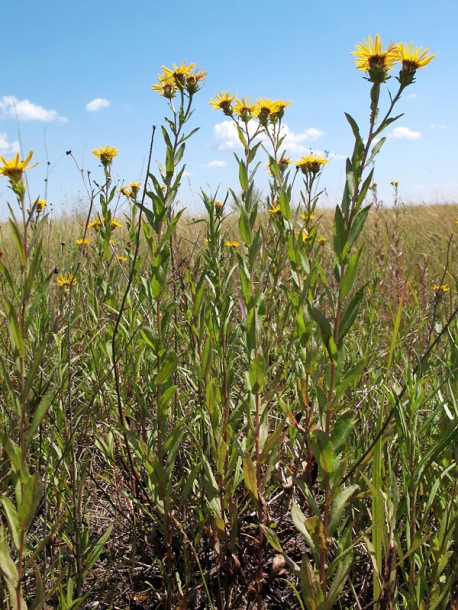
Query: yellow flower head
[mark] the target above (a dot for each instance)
(284, 162)
(166, 87)
(95, 224)
(373, 59)
(311, 164)
(40, 204)
(223, 101)
(115, 223)
(275, 210)
(66, 280)
(303, 234)
(106, 154)
(394, 182)
(264, 107)
(219, 205)
(14, 168)
(442, 288)
(121, 258)
(412, 60)
(131, 190)
(232, 244)
(322, 240)
(244, 108)
(83, 242)
(179, 78)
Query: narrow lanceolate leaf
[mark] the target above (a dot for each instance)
(349, 315)
(249, 472)
(7, 566)
(13, 521)
(256, 374)
(17, 340)
(31, 498)
(243, 176)
(338, 507)
(342, 429)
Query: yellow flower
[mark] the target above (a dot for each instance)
(275, 210)
(372, 58)
(442, 288)
(307, 216)
(264, 107)
(322, 240)
(311, 164)
(166, 87)
(40, 204)
(115, 223)
(95, 224)
(121, 258)
(394, 182)
(14, 168)
(302, 234)
(130, 190)
(83, 242)
(244, 108)
(223, 101)
(284, 162)
(179, 77)
(179, 73)
(66, 280)
(106, 154)
(412, 60)
(207, 240)
(232, 244)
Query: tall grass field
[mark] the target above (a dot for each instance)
(254, 409)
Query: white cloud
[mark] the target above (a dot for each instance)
(293, 141)
(97, 104)
(405, 133)
(436, 126)
(225, 137)
(411, 95)
(8, 148)
(215, 163)
(25, 110)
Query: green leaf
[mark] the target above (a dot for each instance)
(249, 472)
(13, 521)
(256, 374)
(168, 367)
(31, 498)
(244, 227)
(243, 176)
(338, 507)
(7, 565)
(342, 429)
(349, 315)
(358, 224)
(349, 275)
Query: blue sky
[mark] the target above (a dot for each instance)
(59, 56)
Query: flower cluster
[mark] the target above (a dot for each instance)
(98, 223)
(130, 190)
(311, 164)
(371, 57)
(263, 109)
(179, 78)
